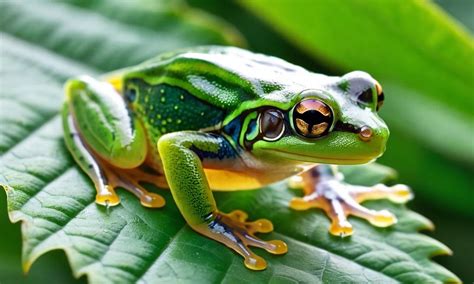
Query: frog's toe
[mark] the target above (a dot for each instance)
(147, 199)
(278, 247)
(236, 233)
(107, 197)
(152, 200)
(335, 210)
(383, 218)
(299, 203)
(273, 246)
(238, 215)
(260, 226)
(341, 228)
(398, 193)
(255, 262)
(141, 175)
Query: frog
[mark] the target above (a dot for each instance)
(220, 118)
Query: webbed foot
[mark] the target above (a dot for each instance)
(130, 180)
(339, 200)
(233, 231)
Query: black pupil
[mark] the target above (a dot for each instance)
(312, 118)
(272, 123)
(366, 97)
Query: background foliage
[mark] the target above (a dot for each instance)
(423, 58)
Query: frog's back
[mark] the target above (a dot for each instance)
(196, 89)
(224, 76)
(164, 108)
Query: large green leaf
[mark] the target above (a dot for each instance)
(425, 62)
(128, 243)
(123, 37)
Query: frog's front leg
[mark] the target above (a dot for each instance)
(105, 141)
(324, 188)
(184, 154)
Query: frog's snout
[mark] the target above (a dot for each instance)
(375, 138)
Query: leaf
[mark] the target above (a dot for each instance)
(54, 200)
(424, 61)
(461, 10)
(105, 43)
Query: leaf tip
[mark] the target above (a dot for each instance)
(442, 249)
(25, 266)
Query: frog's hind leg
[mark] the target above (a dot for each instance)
(106, 178)
(184, 155)
(106, 142)
(325, 189)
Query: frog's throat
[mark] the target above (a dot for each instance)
(321, 160)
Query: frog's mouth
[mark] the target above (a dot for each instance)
(319, 159)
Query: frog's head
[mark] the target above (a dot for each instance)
(335, 124)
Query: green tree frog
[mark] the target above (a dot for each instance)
(223, 118)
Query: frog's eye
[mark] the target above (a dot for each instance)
(312, 118)
(272, 124)
(380, 96)
(366, 98)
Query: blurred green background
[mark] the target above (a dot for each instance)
(423, 54)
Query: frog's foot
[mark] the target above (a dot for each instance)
(141, 175)
(129, 180)
(339, 200)
(233, 231)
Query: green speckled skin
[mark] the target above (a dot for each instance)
(234, 81)
(222, 118)
(159, 107)
(229, 77)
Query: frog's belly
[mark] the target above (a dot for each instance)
(219, 179)
(222, 180)
(234, 180)
(228, 180)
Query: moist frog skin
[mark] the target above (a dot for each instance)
(223, 118)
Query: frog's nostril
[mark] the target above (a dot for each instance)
(365, 133)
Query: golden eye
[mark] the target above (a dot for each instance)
(272, 124)
(312, 118)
